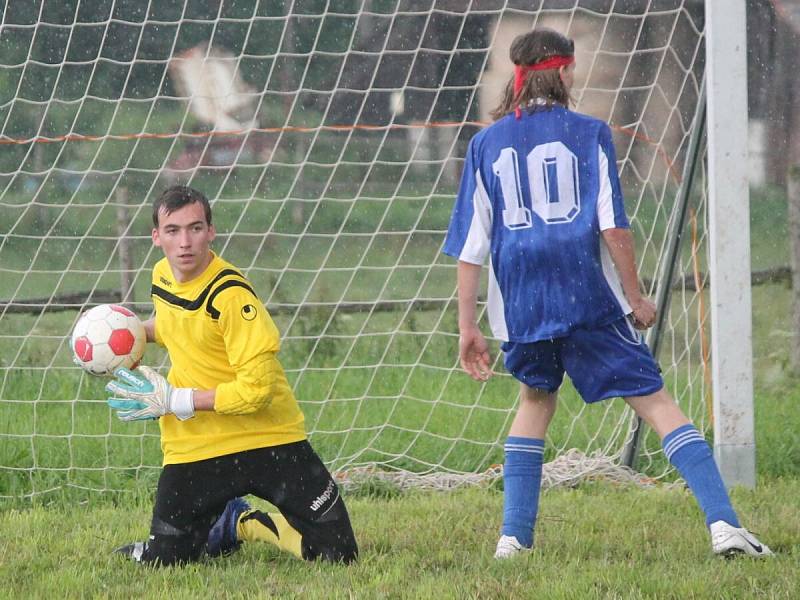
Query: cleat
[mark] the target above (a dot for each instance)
(508, 547)
(727, 540)
(132, 551)
(222, 539)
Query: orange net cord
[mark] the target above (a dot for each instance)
(704, 350)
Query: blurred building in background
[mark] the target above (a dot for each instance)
(773, 43)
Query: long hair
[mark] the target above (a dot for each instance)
(528, 49)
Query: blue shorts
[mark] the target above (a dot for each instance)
(608, 362)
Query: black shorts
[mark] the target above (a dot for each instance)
(191, 497)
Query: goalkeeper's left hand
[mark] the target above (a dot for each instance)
(137, 398)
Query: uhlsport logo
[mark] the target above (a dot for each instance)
(249, 312)
(323, 497)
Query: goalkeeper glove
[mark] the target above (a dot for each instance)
(137, 398)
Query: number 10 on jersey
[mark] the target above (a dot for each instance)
(552, 171)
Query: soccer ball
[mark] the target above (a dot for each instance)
(106, 338)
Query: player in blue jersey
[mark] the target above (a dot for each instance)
(540, 197)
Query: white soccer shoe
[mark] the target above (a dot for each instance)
(508, 547)
(728, 540)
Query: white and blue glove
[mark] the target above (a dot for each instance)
(137, 398)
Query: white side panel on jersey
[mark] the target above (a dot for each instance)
(605, 204)
(476, 246)
(496, 307)
(612, 277)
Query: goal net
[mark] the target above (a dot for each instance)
(330, 137)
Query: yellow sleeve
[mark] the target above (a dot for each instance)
(251, 342)
(157, 339)
(157, 275)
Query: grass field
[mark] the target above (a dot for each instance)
(378, 396)
(597, 541)
(414, 544)
(340, 229)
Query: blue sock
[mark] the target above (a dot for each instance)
(522, 479)
(689, 452)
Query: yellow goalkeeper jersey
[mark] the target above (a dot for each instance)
(220, 336)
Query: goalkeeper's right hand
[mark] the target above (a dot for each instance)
(138, 398)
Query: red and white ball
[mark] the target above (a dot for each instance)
(108, 337)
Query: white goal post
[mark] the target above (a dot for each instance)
(330, 137)
(729, 242)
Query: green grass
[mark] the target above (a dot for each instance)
(597, 541)
(385, 392)
(346, 221)
(367, 382)
(335, 229)
(91, 476)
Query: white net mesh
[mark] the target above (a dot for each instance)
(330, 136)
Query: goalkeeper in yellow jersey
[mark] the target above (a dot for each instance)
(230, 424)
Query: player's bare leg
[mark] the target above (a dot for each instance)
(659, 411)
(536, 410)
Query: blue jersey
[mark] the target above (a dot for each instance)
(535, 194)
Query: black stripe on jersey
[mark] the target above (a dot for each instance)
(223, 286)
(198, 302)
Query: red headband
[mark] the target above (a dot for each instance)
(521, 71)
